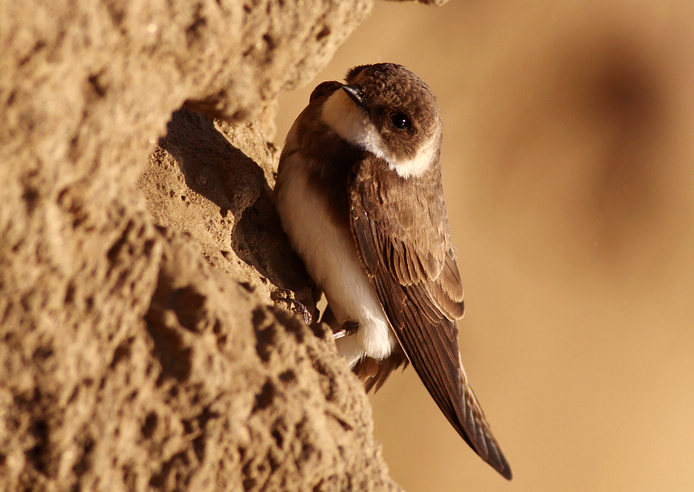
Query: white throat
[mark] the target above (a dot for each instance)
(353, 124)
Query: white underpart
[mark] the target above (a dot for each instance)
(352, 123)
(330, 256)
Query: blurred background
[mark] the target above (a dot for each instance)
(568, 163)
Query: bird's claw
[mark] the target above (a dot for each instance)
(294, 305)
(348, 328)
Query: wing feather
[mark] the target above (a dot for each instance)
(412, 267)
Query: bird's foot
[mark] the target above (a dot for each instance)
(294, 305)
(348, 328)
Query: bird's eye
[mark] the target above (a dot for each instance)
(400, 121)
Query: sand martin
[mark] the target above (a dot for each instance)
(360, 197)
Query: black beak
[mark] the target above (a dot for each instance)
(355, 93)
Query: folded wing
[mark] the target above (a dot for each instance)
(401, 234)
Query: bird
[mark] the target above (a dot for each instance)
(360, 197)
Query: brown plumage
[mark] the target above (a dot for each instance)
(413, 269)
(360, 196)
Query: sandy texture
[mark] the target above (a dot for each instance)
(139, 343)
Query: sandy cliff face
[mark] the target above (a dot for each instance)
(139, 343)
